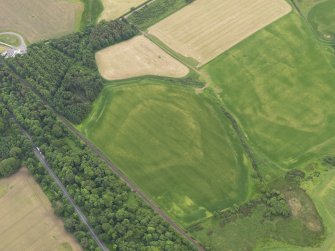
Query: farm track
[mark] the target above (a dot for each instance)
(115, 169)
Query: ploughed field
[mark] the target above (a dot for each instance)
(176, 145)
(27, 218)
(207, 28)
(39, 19)
(137, 57)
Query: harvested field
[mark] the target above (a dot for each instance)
(207, 28)
(39, 19)
(27, 219)
(116, 8)
(137, 57)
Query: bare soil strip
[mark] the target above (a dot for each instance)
(207, 28)
(27, 218)
(137, 57)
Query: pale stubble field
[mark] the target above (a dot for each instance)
(27, 218)
(137, 57)
(207, 28)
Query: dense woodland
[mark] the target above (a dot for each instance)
(63, 71)
(13, 144)
(121, 220)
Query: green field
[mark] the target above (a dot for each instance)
(281, 92)
(9, 39)
(322, 18)
(92, 11)
(176, 145)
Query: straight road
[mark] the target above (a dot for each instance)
(82, 217)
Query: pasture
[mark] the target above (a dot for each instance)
(281, 92)
(40, 19)
(27, 219)
(206, 28)
(176, 145)
(116, 8)
(92, 12)
(322, 19)
(137, 57)
(9, 39)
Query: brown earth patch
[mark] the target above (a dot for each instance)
(137, 57)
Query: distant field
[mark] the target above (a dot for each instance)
(39, 19)
(137, 57)
(176, 145)
(281, 91)
(27, 219)
(207, 28)
(116, 8)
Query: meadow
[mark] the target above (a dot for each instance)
(9, 39)
(322, 19)
(173, 143)
(91, 13)
(27, 218)
(252, 231)
(281, 92)
(40, 19)
(205, 29)
(137, 57)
